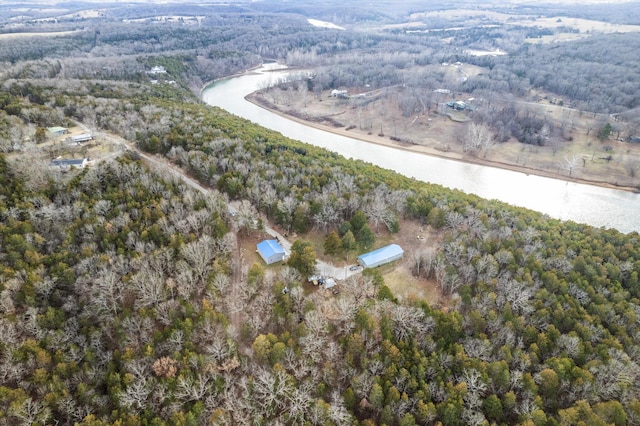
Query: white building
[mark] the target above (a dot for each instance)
(381, 256)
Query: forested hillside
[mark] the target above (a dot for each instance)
(125, 296)
(119, 293)
(585, 72)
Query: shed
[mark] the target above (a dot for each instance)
(85, 137)
(342, 94)
(58, 131)
(79, 163)
(270, 251)
(381, 256)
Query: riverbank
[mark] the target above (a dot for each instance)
(257, 100)
(199, 91)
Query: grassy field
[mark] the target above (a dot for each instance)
(379, 120)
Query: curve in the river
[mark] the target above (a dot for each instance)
(594, 205)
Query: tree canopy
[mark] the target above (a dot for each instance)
(126, 299)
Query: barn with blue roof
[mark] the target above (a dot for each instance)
(271, 251)
(381, 256)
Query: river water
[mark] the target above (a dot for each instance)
(593, 205)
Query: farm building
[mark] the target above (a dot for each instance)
(79, 163)
(58, 131)
(270, 251)
(381, 256)
(85, 137)
(342, 94)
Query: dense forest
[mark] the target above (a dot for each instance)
(125, 297)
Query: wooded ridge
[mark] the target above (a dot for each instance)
(126, 296)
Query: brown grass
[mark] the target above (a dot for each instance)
(398, 276)
(380, 121)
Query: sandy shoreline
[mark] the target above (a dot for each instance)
(253, 98)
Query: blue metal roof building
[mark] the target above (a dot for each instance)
(270, 251)
(381, 256)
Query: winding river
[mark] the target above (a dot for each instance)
(593, 205)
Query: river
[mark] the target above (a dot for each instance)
(593, 205)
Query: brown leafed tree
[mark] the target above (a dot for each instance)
(165, 367)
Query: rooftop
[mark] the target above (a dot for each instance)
(269, 247)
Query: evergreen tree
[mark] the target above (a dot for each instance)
(300, 220)
(366, 237)
(358, 221)
(605, 132)
(344, 227)
(348, 243)
(436, 218)
(303, 258)
(332, 244)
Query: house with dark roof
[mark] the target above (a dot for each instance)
(63, 164)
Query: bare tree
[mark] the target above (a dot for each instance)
(135, 396)
(327, 215)
(149, 283)
(423, 262)
(246, 217)
(477, 137)
(569, 164)
(454, 220)
(30, 412)
(107, 291)
(359, 288)
(285, 208)
(632, 166)
(189, 388)
(199, 255)
(407, 321)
